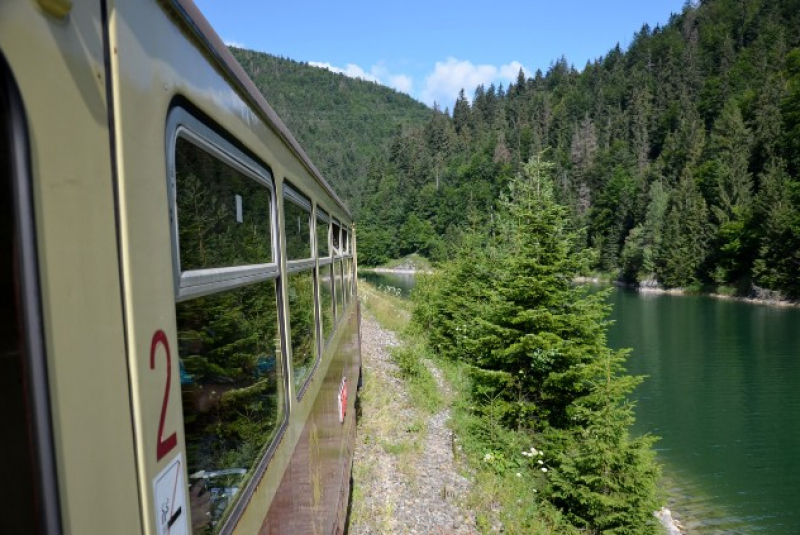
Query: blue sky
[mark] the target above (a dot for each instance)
(430, 49)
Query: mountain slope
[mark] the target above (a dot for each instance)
(341, 122)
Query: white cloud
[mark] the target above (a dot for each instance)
(450, 76)
(378, 73)
(352, 70)
(511, 70)
(402, 83)
(234, 44)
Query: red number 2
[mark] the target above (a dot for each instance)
(164, 446)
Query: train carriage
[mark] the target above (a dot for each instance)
(181, 344)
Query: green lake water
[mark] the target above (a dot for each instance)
(723, 393)
(403, 281)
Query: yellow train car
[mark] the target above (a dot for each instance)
(180, 343)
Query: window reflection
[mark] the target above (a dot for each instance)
(298, 231)
(301, 319)
(223, 215)
(337, 267)
(323, 250)
(232, 396)
(348, 279)
(326, 300)
(335, 238)
(345, 278)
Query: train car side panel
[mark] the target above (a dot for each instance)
(158, 65)
(310, 496)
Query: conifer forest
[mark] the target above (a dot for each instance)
(678, 158)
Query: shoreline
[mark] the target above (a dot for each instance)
(396, 271)
(673, 527)
(655, 290)
(781, 303)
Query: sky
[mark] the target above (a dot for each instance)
(430, 49)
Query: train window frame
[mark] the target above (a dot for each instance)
(336, 238)
(190, 284)
(324, 263)
(193, 284)
(323, 217)
(299, 266)
(291, 194)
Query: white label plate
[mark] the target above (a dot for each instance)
(170, 504)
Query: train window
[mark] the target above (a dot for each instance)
(302, 325)
(297, 225)
(335, 230)
(354, 271)
(323, 234)
(326, 299)
(229, 336)
(337, 268)
(232, 390)
(348, 281)
(223, 214)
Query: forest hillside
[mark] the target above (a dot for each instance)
(678, 158)
(342, 123)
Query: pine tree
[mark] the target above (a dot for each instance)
(684, 245)
(732, 208)
(776, 267)
(538, 345)
(461, 114)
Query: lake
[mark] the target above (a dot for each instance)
(403, 281)
(723, 393)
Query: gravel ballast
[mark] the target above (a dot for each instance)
(405, 477)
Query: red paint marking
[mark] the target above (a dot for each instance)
(343, 399)
(164, 446)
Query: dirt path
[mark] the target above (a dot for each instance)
(405, 477)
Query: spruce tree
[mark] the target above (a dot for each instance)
(508, 307)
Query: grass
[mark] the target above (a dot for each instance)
(392, 312)
(499, 496)
(422, 387)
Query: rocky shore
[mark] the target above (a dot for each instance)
(672, 526)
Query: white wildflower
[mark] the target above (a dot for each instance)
(544, 469)
(540, 461)
(519, 475)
